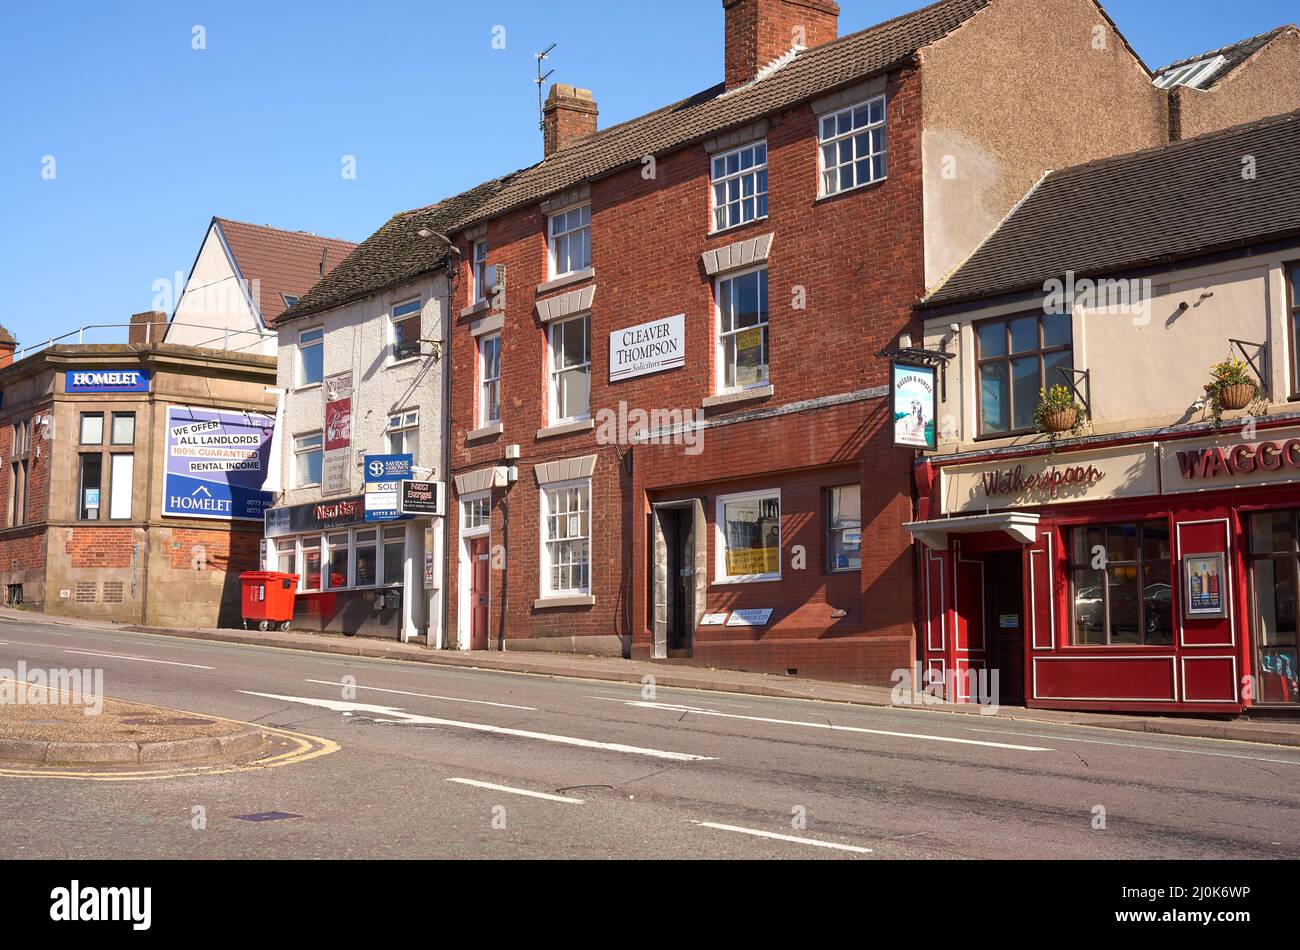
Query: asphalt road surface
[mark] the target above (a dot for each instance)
(451, 763)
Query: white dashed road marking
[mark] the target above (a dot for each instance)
(517, 791)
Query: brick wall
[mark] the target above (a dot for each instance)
(99, 547)
(855, 261)
(214, 549)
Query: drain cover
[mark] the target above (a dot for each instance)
(268, 816)
(167, 721)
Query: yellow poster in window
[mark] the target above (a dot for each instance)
(753, 561)
(749, 339)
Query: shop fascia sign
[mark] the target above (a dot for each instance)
(1050, 482)
(1246, 458)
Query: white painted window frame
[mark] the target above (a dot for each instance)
(299, 452)
(485, 415)
(715, 226)
(838, 137)
(552, 236)
(299, 380)
(394, 319)
(720, 386)
(720, 575)
(554, 374)
(545, 591)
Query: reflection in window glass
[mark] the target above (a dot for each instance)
(846, 528)
(338, 550)
(311, 564)
(394, 555)
(751, 536)
(367, 548)
(1121, 589)
(1275, 583)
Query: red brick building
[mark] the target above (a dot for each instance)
(669, 424)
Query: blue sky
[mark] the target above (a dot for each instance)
(151, 137)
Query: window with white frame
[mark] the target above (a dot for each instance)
(366, 555)
(566, 539)
(340, 553)
(404, 434)
(286, 556)
(477, 513)
(311, 573)
(570, 370)
(742, 331)
(749, 537)
(479, 266)
(570, 240)
(311, 356)
(740, 186)
(309, 457)
(406, 330)
(489, 375)
(394, 555)
(852, 146)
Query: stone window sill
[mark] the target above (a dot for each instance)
(567, 280)
(743, 395)
(489, 430)
(577, 600)
(566, 428)
(473, 310)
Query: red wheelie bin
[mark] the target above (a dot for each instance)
(268, 599)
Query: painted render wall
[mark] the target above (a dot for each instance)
(357, 339)
(1265, 85)
(214, 300)
(1016, 91)
(1168, 353)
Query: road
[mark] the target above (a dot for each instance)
(439, 762)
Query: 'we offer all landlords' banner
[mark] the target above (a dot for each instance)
(216, 464)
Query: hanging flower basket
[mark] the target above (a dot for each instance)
(1238, 396)
(1062, 420)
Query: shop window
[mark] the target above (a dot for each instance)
(394, 555)
(89, 484)
(742, 331)
(1018, 358)
(406, 330)
(570, 241)
(570, 371)
(844, 520)
(739, 186)
(367, 554)
(311, 564)
(749, 537)
(1274, 583)
(92, 428)
(489, 374)
(285, 557)
(123, 428)
(121, 485)
(309, 459)
(311, 356)
(404, 434)
(1121, 585)
(339, 551)
(566, 536)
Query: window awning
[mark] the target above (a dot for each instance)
(1020, 525)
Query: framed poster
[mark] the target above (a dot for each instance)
(915, 402)
(1205, 593)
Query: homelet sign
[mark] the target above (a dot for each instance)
(648, 348)
(216, 464)
(106, 381)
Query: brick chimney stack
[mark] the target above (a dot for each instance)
(759, 31)
(568, 116)
(141, 333)
(7, 346)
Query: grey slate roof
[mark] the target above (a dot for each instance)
(1235, 54)
(1161, 205)
(392, 255)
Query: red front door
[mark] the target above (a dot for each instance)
(478, 630)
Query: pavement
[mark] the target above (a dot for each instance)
(431, 760)
(684, 675)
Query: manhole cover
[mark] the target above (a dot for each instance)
(268, 816)
(168, 721)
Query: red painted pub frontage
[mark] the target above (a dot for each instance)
(1155, 572)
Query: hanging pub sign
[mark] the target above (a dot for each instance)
(915, 402)
(1204, 590)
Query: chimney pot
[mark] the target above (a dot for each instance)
(569, 115)
(760, 31)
